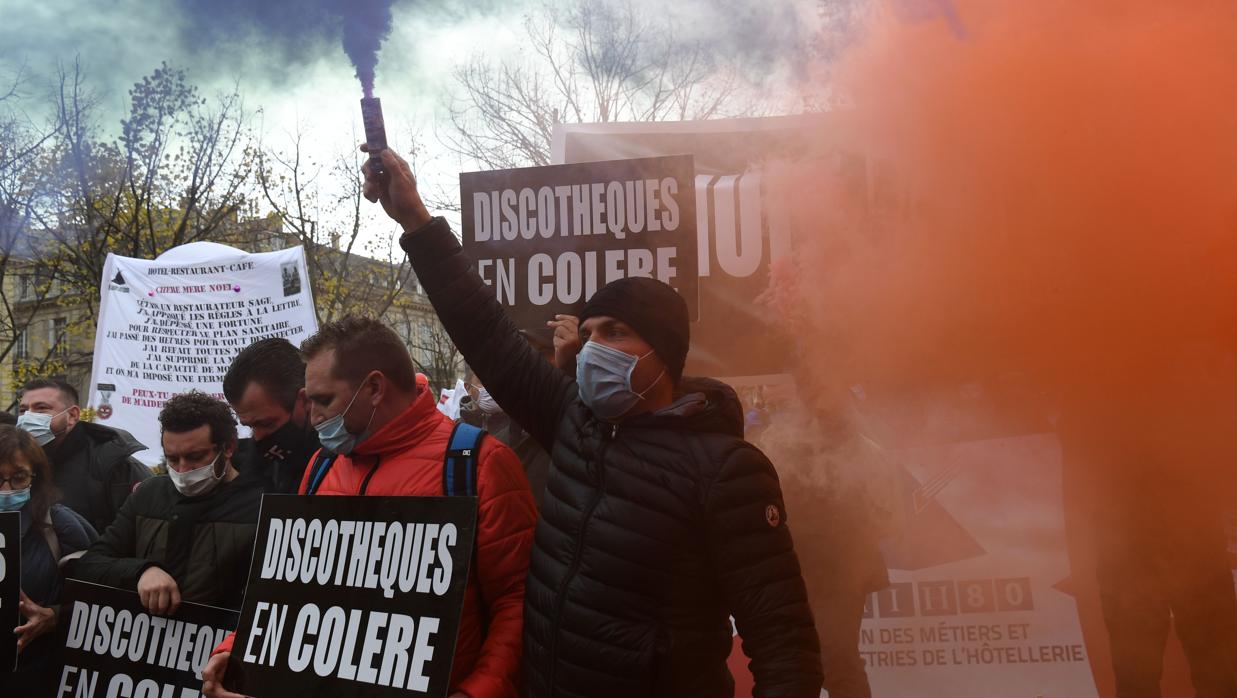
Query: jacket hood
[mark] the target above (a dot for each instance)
(701, 404)
(111, 444)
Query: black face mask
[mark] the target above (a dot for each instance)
(287, 450)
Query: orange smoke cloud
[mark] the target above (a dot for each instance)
(1041, 204)
(1051, 196)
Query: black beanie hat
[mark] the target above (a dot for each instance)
(654, 310)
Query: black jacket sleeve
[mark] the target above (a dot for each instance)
(760, 578)
(528, 387)
(126, 474)
(110, 560)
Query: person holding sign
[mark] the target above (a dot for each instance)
(187, 535)
(382, 435)
(49, 533)
(659, 521)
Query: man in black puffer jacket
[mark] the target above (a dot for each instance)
(92, 464)
(659, 521)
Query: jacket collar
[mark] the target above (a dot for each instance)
(111, 444)
(67, 445)
(702, 405)
(406, 430)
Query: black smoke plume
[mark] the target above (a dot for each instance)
(296, 30)
(366, 25)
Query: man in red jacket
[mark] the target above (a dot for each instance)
(391, 440)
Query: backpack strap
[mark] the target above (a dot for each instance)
(318, 470)
(49, 535)
(459, 466)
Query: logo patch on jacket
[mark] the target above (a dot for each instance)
(772, 515)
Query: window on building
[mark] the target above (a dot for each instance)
(428, 343)
(58, 340)
(42, 281)
(21, 346)
(27, 287)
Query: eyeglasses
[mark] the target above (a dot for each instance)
(17, 481)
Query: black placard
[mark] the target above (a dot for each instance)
(114, 647)
(10, 588)
(356, 596)
(546, 238)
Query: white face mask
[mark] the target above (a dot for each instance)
(198, 481)
(39, 425)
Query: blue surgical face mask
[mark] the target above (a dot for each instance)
(12, 500)
(39, 425)
(604, 378)
(334, 435)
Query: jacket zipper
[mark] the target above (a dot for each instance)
(560, 597)
(370, 475)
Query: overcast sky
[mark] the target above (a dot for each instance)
(292, 69)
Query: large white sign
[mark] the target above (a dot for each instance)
(978, 604)
(174, 324)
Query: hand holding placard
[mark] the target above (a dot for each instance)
(158, 591)
(213, 675)
(360, 595)
(39, 621)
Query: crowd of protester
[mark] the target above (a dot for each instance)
(623, 519)
(371, 426)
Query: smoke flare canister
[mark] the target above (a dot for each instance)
(375, 131)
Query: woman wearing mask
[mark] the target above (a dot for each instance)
(49, 533)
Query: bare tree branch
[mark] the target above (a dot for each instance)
(596, 61)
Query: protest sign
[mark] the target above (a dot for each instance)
(174, 324)
(740, 234)
(10, 587)
(546, 238)
(114, 647)
(357, 596)
(978, 600)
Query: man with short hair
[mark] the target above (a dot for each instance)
(92, 464)
(659, 522)
(265, 385)
(382, 435)
(186, 536)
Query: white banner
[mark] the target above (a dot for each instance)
(174, 324)
(978, 604)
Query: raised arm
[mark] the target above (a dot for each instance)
(528, 387)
